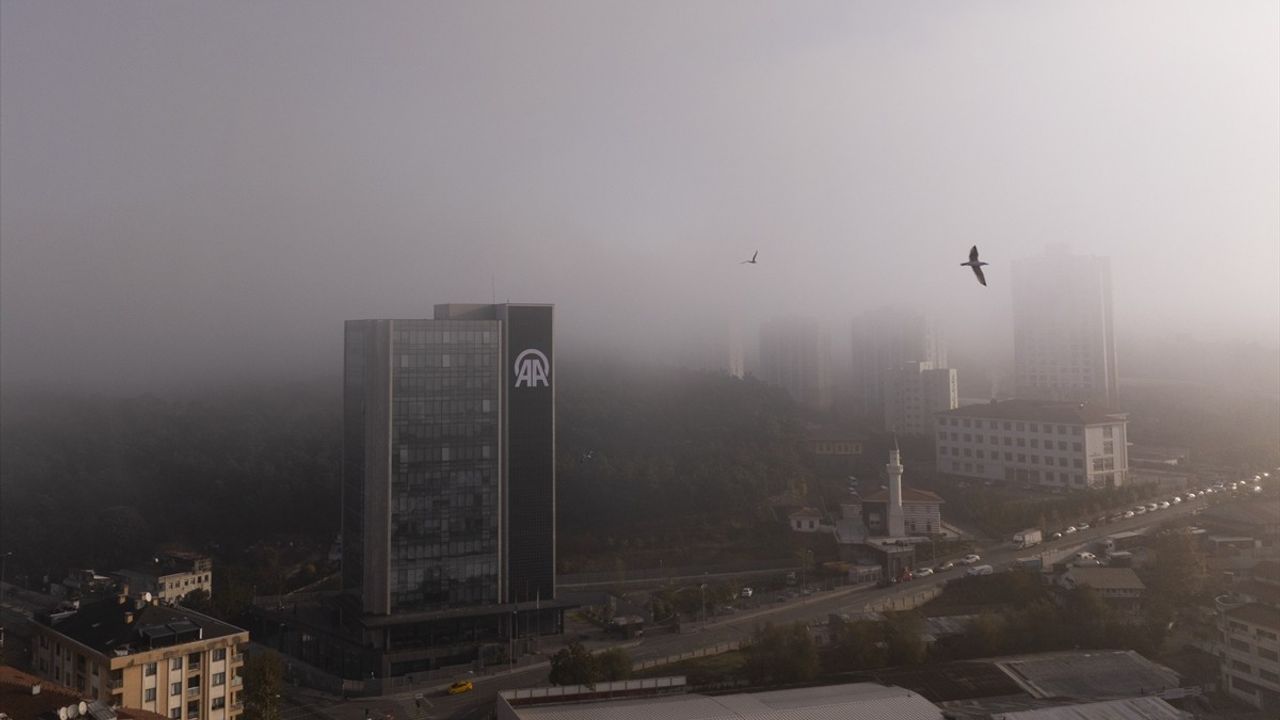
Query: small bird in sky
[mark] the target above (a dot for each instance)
(976, 264)
(752, 261)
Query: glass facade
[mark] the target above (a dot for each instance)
(445, 467)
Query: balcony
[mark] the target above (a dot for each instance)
(236, 681)
(193, 667)
(193, 693)
(237, 657)
(115, 683)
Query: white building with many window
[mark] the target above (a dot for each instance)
(1250, 652)
(1070, 445)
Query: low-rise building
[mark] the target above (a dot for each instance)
(170, 576)
(1250, 652)
(24, 696)
(135, 653)
(1119, 587)
(1077, 446)
(806, 520)
(921, 512)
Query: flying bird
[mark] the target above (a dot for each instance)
(976, 264)
(752, 261)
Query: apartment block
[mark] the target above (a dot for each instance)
(1054, 444)
(135, 653)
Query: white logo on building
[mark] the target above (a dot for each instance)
(531, 369)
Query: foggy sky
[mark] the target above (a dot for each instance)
(197, 191)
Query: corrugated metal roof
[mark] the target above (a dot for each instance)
(1143, 708)
(857, 701)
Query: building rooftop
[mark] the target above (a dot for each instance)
(1103, 578)
(1089, 675)
(1257, 614)
(909, 495)
(124, 625)
(1242, 515)
(18, 701)
(1142, 708)
(857, 701)
(1050, 411)
(806, 512)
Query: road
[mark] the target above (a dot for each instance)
(819, 606)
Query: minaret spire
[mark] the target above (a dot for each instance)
(896, 525)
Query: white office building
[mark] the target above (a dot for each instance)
(1063, 338)
(1069, 445)
(914, 394)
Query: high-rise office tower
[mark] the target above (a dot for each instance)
(448, 476)
(883, 342)
(795, 353)
(1063, 338)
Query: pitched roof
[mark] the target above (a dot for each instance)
(806, 512)
(16, 698)
(1103, 578)
(909, 495)
(110, 626)
(1050, 411)
(1267, 617)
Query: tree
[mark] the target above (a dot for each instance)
(573, 665)
(781, 654)
(904, 639)
(1180, 570)
(262, 680)
(612, 664)
(859, 645)
(198, 600)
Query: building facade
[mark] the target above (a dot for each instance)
(1250, 651)
(1063, 336)
(795, 354)
(914, 393)
(883, 341)
(135, 653)
(448, 496)
(170, 576)
(1053, 444)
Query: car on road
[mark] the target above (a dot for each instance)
(1118, 517)
(1070, 529)
(979, 570)
(462, 686)
(1140, 510)
(1056, 536)
(945, 566)
(1082, 526)
(970, 559)
(746, 592)
(1164, 505)
(1152, 507)
(1128, 514)
(924, 572)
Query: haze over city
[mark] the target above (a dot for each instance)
(199, 192)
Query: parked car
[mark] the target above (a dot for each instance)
(1056, 536)
(1070, 529)
(945, 566)
(1128, 514)
(747, 592)
(1082, 526)
(924, 572)
(1164, 505)
(979, 570)
(970, 559)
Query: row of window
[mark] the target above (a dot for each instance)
(1020, 457)
(1045, 428)
(448, 337)
(1062, 445)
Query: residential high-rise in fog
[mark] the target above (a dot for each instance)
(448, 478)
(1063, 338)
(795, 353)
(914, 392)
(886, 342)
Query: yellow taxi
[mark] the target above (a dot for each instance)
(460, 687)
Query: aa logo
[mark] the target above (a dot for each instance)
(532, 369)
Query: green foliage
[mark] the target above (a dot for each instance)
(263, 674)
(781, 654)
(903, 637)
(575, 665)
(859, 645)
(1180, 570)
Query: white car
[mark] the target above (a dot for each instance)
(922, 572)
(1164, 505)
(970, 559)
(946, 566)
(1152, 506)
(1070, 529)
(1086, 555)
(1082, 526)
(1128, 514)
(1177, 499)
(747, 592)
